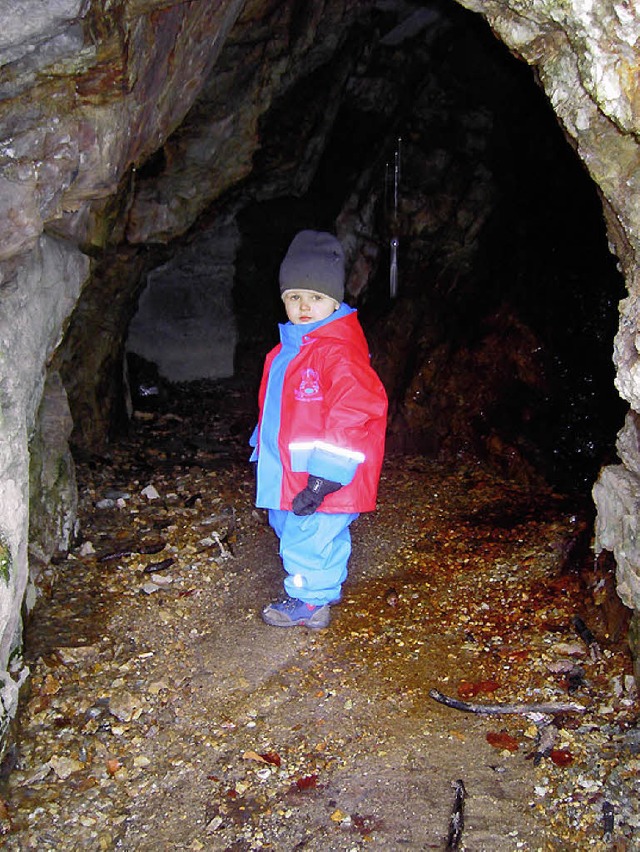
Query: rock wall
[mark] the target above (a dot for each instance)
(586, 56)
(88, 91)
(92, 91)
(36, 303)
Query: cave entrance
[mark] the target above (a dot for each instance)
(496, 353)
(499, 343)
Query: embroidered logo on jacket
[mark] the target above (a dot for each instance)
(309, 388)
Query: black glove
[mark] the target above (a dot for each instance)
(308, 500)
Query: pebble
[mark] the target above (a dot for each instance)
(124, 706)
(65, 766)
(116, 494)
(572, 649)
(106, 503)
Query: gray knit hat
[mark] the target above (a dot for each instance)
(314, 261)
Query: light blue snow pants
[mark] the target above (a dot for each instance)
(315, 550)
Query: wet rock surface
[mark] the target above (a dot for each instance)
(162, 712)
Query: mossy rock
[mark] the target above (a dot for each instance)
(5, 561)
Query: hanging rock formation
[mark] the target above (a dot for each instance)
(121, 124)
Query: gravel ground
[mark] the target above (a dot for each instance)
(163, 714)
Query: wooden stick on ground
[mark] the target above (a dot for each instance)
(456, 823)
(587, 637)
(547, 708)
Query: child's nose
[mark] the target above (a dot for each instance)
(305, 304)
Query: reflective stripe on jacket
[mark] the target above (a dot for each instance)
(323, 411)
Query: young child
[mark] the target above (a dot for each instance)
(319, 441)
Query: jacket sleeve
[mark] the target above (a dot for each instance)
(254, 440)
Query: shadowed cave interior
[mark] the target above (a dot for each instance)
(498, 345)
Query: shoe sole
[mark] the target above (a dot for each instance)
(275, 619)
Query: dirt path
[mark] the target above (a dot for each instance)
(168, 716)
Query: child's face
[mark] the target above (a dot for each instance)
(303, 306)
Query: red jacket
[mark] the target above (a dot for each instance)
(323, 411)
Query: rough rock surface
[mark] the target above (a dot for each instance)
(185, 322)
(36, 304)
(52, 481)
(90, 96)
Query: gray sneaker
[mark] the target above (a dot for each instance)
(292, 612)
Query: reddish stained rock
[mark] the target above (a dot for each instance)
(502, 740)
